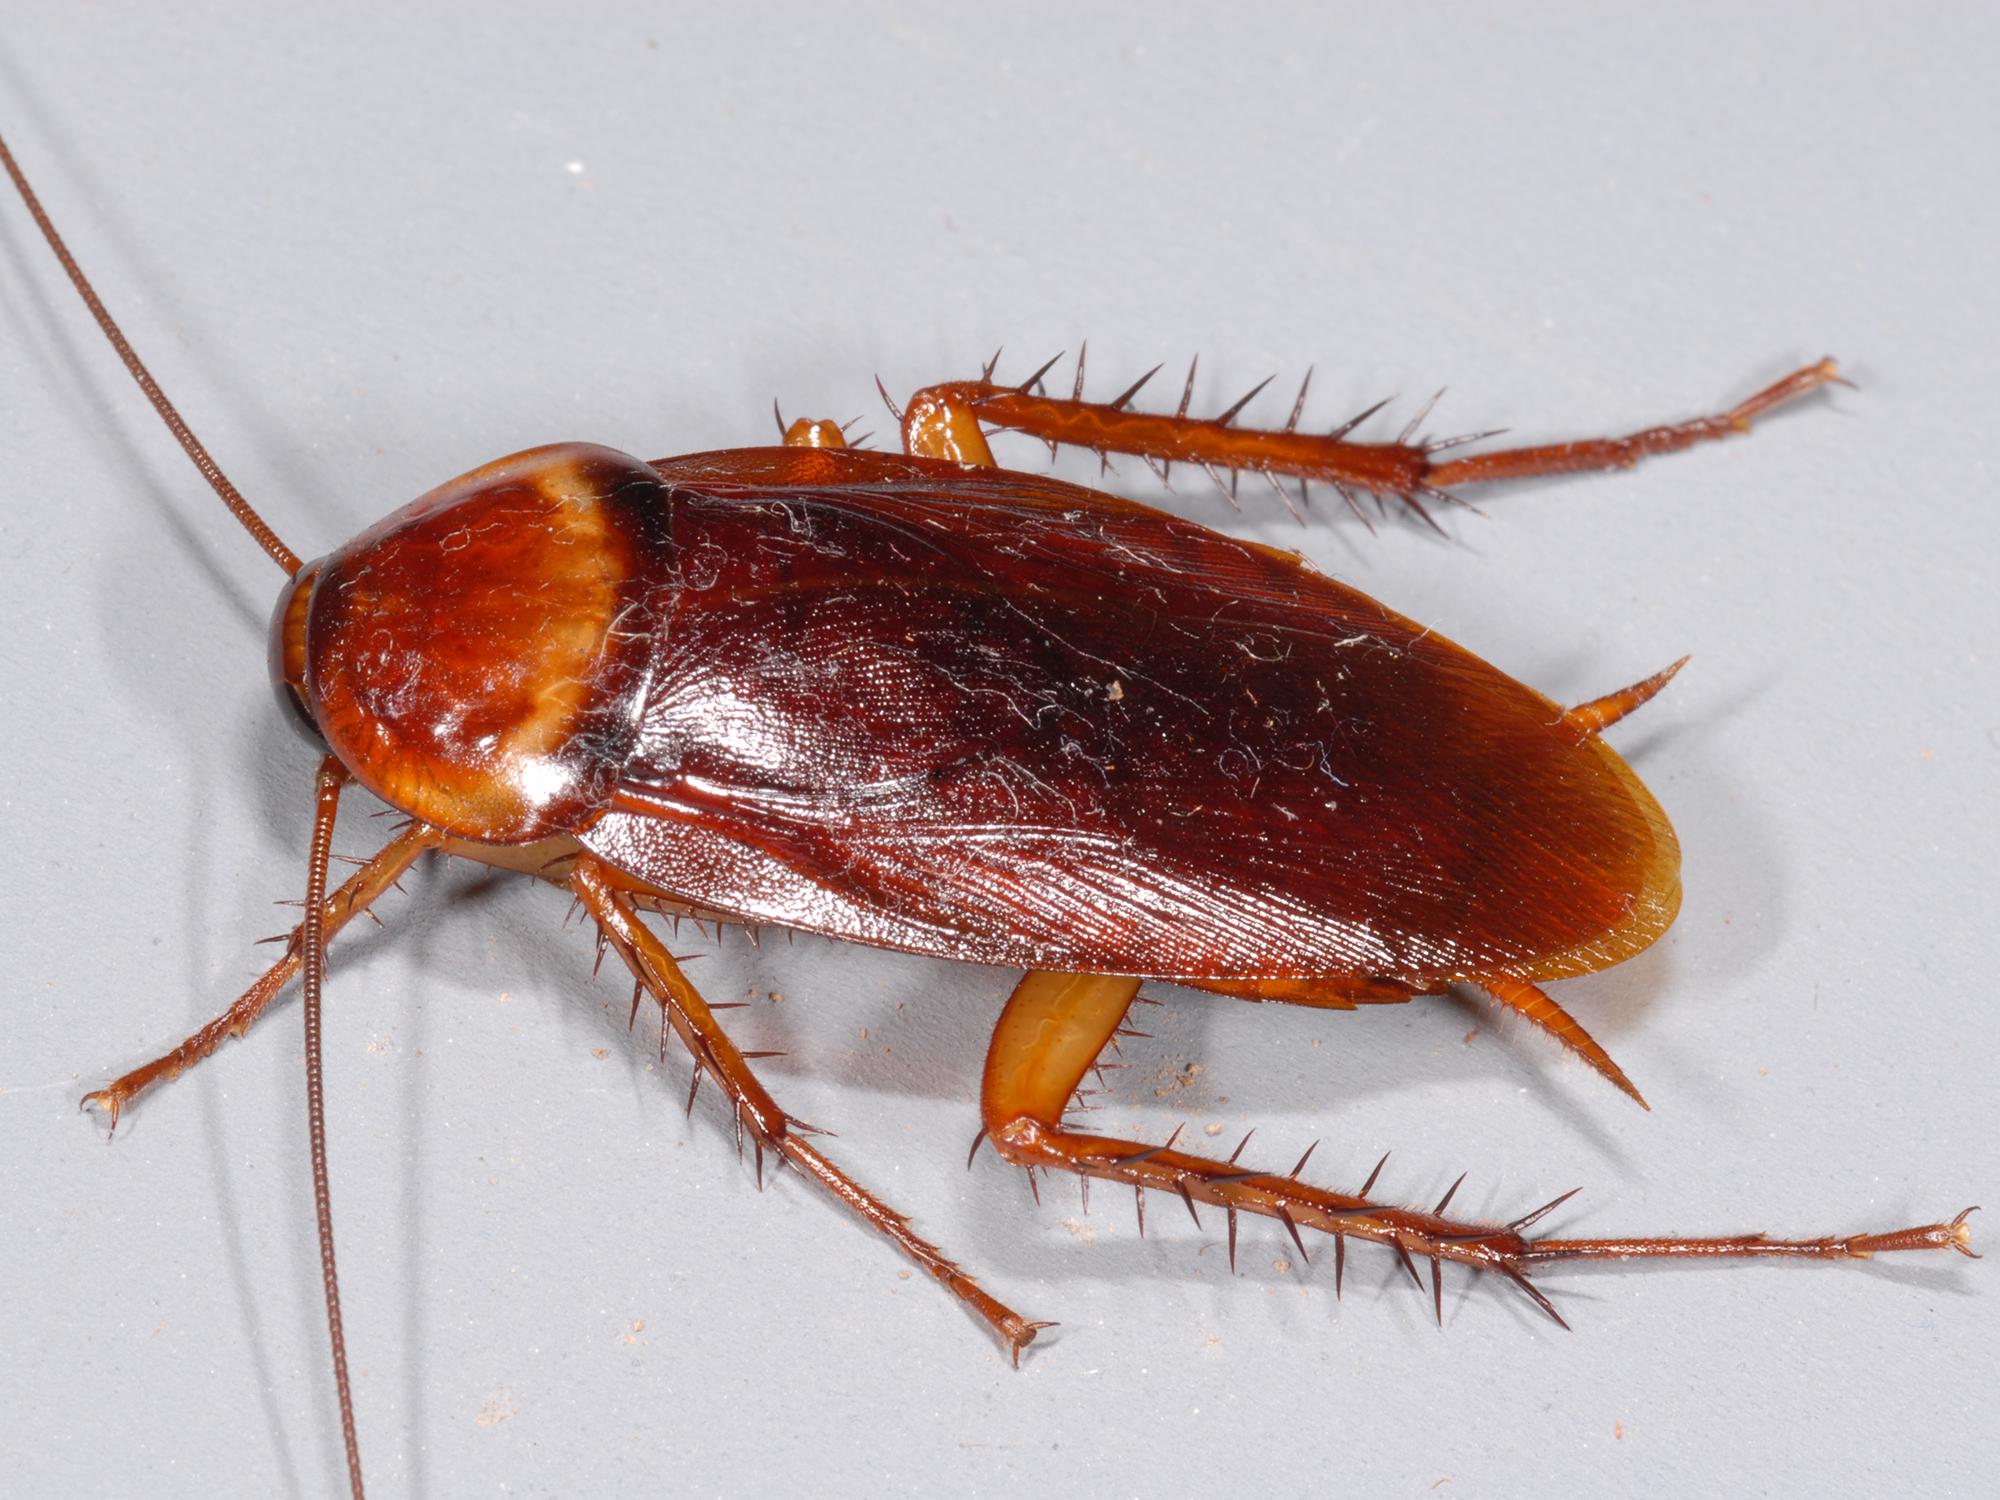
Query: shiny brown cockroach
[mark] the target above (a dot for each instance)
(925, 703)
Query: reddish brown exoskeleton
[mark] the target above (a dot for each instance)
(925, 703)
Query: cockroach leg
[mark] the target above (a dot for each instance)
(1956, 1234)
(944, 421)
(356, 895)
(757, 1115)
(1623, 452)
(1048, 1037)
(809, 433)
(941, 422)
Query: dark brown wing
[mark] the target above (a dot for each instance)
(996, 717)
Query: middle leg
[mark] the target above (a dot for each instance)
(756, 1113)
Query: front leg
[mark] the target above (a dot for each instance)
(356, 895)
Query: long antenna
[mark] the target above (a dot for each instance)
(253, 523)
(312, 945)
(326, 800)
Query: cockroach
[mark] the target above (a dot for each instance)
(922, 702)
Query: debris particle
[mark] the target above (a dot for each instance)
(1281, 1265)
(1618, 1431)
(600, 1053)
(1084, 1232)
(1173, 1079)
(495, 1409)
(1473, 1033)
(1214, 1128)
(631, 1335)
(864, 1033)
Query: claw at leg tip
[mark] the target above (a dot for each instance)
(1961, 1234)
(1026, 1336)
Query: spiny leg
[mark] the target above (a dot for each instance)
(944, 421)
(1049, 1036)
(356, 894)
(756, 1113)
(1623, 452)
(811, 432)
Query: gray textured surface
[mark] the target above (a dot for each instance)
(367, 258)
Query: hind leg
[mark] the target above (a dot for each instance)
(945, 421)
(1050, 1035)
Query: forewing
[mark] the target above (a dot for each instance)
(996, 717)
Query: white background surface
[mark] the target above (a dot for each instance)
(365, 256)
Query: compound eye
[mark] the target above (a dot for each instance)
(299, 716)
